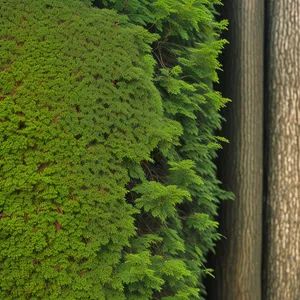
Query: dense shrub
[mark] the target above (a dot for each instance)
(77, 109)
(108, 182)
(187, 63)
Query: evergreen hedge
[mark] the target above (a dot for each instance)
(186, 52)
(77, 106)
(108, 186)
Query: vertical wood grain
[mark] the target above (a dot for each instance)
(238, 265)
(282, 255)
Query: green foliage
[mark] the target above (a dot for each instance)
(109, 188)
(77, 104)
(158, 199)
(179, 193)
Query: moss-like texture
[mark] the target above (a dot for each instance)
(108, 185)
(77, 105)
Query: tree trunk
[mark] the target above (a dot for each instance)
(282, 255)
(238, 257)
